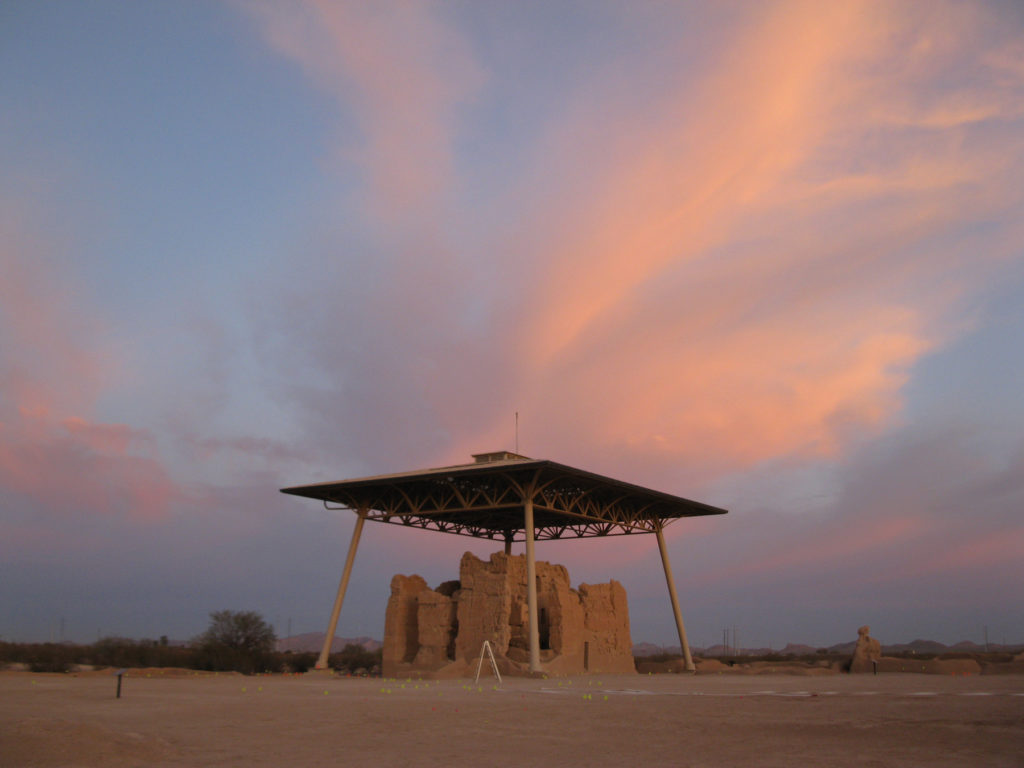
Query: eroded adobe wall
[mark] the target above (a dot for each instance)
(440, 632)
(606, 628)
(401, 622)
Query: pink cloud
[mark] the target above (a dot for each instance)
(971, 551)
(51, 358)
(113, 439)
(405, 71)
(751, 268)
(744, 263)
(87, 470)
(922, 505)
(828, 548)
(53, 368)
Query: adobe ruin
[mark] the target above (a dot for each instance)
(867, 652)
(439, 632)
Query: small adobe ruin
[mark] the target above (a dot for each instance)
(866, 653)
(440, 632)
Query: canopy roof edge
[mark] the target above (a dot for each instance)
(485, 499)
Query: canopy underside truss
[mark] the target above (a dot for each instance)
(486, 501)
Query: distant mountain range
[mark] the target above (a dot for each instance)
(796, 649)
(314, 641)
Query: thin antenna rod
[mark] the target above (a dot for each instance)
(517, 431)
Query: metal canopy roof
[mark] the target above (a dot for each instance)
(485, 500)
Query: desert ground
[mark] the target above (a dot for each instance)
(168, 718)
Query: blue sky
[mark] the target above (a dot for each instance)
(764, 255)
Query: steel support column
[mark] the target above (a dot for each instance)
(675, 600)
(531, 586)
(321, 663)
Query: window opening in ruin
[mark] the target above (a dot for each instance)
(412, 634)
(544, 630)
(517, 626)
(586, 656)
(451, 644)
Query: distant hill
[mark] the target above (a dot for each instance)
(916, 646)
(839, 649)
(843, 647)
(314, 641)
(650, 649)
(968, 647)
(797, 649)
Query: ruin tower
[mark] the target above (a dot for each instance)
(440, 632)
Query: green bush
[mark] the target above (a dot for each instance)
(241, 641)
(52, 657)
(234, 641)
(122, 652)
(292, 661)
(41, 657)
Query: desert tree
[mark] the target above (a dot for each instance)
(239, 640)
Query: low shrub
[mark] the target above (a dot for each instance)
(354, 657)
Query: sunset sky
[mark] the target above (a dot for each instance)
(769, 256)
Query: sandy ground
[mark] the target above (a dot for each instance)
(677, 720)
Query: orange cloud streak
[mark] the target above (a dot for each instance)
(743, 264)
(743, 274)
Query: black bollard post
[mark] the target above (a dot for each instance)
(120, 674)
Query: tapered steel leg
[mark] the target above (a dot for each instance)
(321, 663)
(531, 588)
(675, 601)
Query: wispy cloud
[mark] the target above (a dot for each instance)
(746, 263)
(53, 368)
(928, 501)
(404, 74)
(751, 265)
